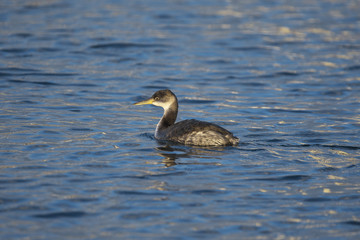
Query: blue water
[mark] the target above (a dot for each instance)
(79, 161)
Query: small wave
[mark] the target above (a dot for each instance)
(46, 83)
(326, 169)
(270, 75)
(276, 110)
(157, 87)
(351, 166)
(97, 166)
(318, 199)
(32, 167)
(82, 85)
(52, 74)
(12, 181)
(219, 61)
(253, 84)
(280, 74)
(4, 200)
(275, 140)
(150, 193)
(285, 178)
(2, 74)
(349, 197)
(335, 93)
(15, 69)
(207, 192)
(250, 48)
(69, 214)
(122, 45)
(352, 222)
(350, 46)
(197, 101)
(14, 50)
(39, 74)
(352, 68)
(141, 215)
(83, 200)
(164, 16)
(48, 49)
(81, 129)
(23, 35)
(283, 43)
(346, 147)
(287, 73)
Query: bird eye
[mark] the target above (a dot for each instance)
(156, 98)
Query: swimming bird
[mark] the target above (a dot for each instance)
(188, 132)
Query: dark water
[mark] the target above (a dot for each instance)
(78, 161)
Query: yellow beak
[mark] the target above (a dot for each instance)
(149, 101)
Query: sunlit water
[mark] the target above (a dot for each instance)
(78, 161)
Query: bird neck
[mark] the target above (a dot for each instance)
(169, 117)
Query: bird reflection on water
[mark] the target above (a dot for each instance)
(172, 153)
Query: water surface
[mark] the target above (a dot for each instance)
(79, 161)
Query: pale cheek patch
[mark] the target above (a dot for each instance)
(165, 106)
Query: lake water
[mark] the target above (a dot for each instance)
(79, 161)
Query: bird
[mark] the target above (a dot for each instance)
(186, 132)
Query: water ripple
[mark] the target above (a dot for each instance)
(124, 45)
(68, 214)
(285, 178)
(79, 161)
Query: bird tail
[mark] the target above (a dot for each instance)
(233, 140)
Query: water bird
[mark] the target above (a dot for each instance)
(188, 132)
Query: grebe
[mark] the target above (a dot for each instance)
(188, 132)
